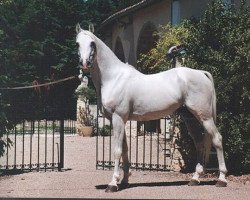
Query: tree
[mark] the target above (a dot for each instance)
(38, 39)
(37, 42)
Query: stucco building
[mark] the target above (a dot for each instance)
(129, 32)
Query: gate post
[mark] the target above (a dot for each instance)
(61, 162)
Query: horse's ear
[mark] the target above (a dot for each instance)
(78, 28)
(91, 28)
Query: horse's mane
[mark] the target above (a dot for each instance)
(89, 34)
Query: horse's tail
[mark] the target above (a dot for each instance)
(213, 95)
(207, 138)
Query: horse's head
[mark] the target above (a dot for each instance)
(86, 48)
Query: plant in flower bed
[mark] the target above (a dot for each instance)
(105, 130)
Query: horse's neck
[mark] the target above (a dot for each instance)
(107, 61)
(106, 67)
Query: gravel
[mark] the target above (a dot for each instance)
(80, 179)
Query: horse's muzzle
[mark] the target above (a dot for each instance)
(84, 66)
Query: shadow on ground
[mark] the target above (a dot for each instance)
(156, 184)
(12, 172)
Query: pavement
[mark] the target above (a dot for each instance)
(80, 179)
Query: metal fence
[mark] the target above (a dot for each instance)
(148, 149)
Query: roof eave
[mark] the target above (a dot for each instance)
(126, 11)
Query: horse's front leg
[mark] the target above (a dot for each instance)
(118, 130)
(125, 162)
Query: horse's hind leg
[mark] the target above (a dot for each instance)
(195, 130)
(211, 129)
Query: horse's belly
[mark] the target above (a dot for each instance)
(146, 117)
(152, 115)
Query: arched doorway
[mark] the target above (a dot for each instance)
(147, 41)
(119, 50)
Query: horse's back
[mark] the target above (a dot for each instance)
(153, 96)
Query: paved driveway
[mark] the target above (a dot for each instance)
(82, 180)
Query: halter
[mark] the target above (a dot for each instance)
(92, 54)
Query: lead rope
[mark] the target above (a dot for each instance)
(40, 85)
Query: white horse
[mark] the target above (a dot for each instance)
(126, 94)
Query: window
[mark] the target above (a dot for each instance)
(176, 17)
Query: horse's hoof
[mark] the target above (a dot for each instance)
(193, 182)
(221, 183)
(111, 188)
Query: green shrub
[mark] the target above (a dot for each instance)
(155, 60)
(87, 93)
(105, 130)
(5, 126)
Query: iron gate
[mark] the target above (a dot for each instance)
(147, 150)
(39, 123)
(36, 145)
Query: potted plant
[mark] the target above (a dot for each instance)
(86, 122)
